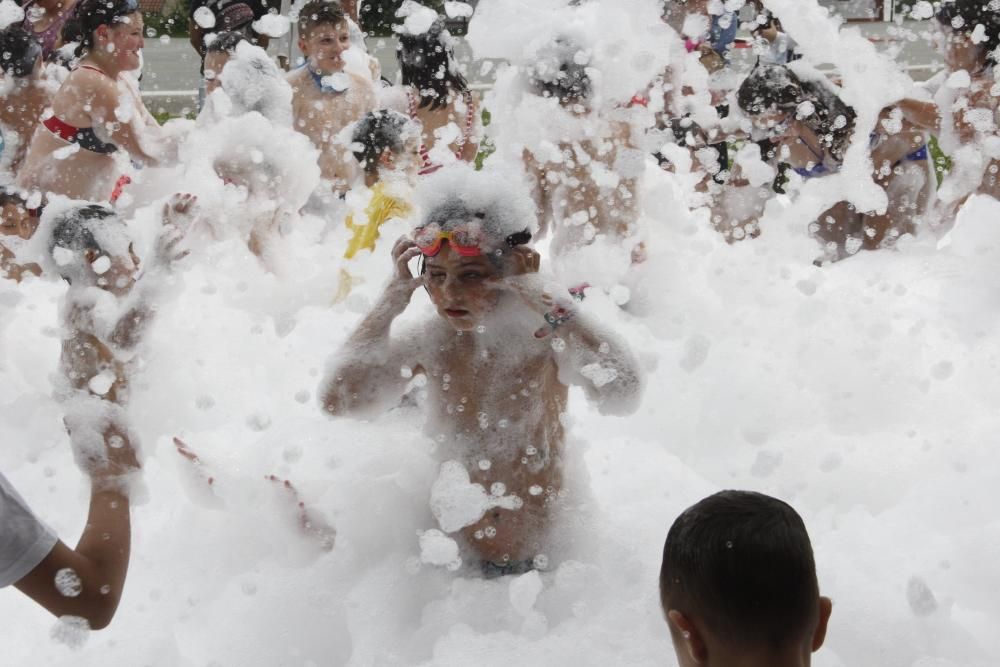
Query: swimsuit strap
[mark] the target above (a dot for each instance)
(95, 69)
(426, 166)
(470, 119)
(85, 137)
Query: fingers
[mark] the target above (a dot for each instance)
(403, 243)
(402, 261)
(182, 202)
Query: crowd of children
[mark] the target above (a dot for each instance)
(738, 576)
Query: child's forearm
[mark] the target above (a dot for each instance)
(362, 375)
(87, 581)
(611, 372)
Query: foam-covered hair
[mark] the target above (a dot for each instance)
(560, 71)
(962, 16)
(19, 50)
(254, 83)
(493, 199)
(427, 63)
(81, 228)
(377, 132)
(778, 87)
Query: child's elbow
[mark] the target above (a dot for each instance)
(100, 612)
(621, 396)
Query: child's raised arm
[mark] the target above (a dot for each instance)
(593, 358)
(364, 376)
(130, 327)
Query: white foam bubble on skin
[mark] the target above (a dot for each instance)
(836, 370)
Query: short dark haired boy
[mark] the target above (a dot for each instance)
(738, 584)
(326, 98)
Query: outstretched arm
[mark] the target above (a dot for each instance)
(132, 324)
(88, 581)
(364, 376)
(594, 358)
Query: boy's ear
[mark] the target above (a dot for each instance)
(303, 46)
(686, 633)
(526, 260)
(819, 636)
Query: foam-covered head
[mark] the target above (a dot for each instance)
(495, 204)
(86, 241)
(779, 88)
(19, 51)
(427, 63)
(379, 132)
(254, 83)
(560, 71)
(963, 17)
(740, 565)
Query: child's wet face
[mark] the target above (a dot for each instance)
(462, 288)
(125, 41)
(116, 274)
(324, 47)
(15, 221)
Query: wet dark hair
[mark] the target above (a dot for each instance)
(319, 12)
(777, 87)
(427, 63)
(19, 50)
(225, 42)
(71, 230)
(558, 74)
(90, 15)
(742, 563)
(375, 133)
(967, 14)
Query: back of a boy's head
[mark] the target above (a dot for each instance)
(78, 230)
(319, 12)
(741, 563)
(378, 132)
(224, 42)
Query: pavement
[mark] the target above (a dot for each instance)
(171, 76)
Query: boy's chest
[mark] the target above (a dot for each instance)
(319, 114)
(486, 388)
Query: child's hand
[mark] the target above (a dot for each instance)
(167, 251)
(531, 289)
(119, 460)
(180, 210)
(403, 282)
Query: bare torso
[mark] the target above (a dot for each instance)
(579, 196)
(85, 357)
(19, 114)
(322, 115)
(54, 165)
(495, 407)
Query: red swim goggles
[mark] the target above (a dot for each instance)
(466, 240)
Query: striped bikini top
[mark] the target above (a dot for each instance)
(427, 166)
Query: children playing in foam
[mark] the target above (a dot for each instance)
(863, 393)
